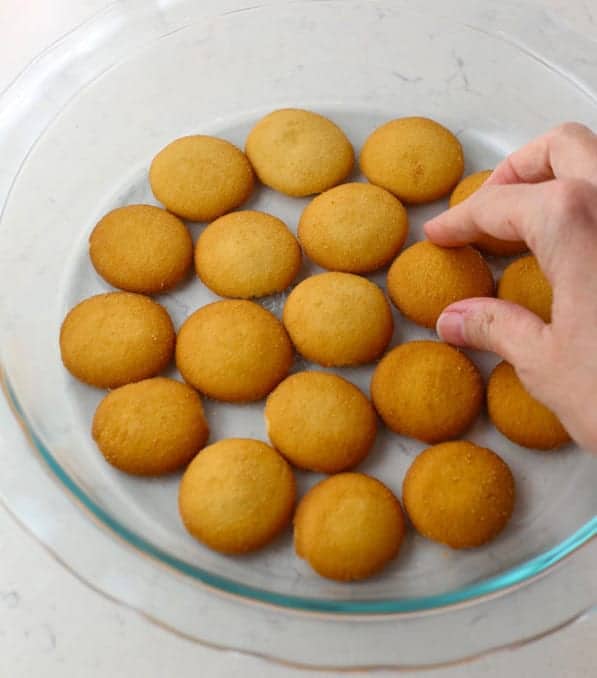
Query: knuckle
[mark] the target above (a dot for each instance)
(570, 129)
(572, 200)
(480, 329)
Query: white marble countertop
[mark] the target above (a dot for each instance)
(51, 624)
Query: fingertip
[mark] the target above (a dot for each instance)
(450, 328)
(451, 324)
(435, 230)
(430, 228)
(489, 324)
(440, 233)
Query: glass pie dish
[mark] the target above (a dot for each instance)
(78, 130)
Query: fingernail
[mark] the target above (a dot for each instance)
(450, 327)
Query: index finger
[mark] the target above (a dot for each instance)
(565, 152)
(508, 212)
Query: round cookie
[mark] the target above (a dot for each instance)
(425, 278)
(233, 350)
(247, 254)
(337, 319)
(355, 228)
(320, 422)
(459, 494)
(141, 248)
(486, 243)
(299, 152)
(417, 159)
(152, 427)
(519, 416)
(113, 339)
(200, 177)
(348, 527)
(524, 283)
(236, 495)
(467, 186)
(427, 390)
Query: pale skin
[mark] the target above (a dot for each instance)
(545, 194)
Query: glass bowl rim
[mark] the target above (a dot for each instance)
(504, 582)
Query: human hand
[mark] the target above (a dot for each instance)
(545, 194)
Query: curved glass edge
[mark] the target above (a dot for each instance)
(580, 616)
(511, 578)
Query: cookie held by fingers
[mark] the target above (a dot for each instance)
(485, 242)
(524, 283)
(424, 279)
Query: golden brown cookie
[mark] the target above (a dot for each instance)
(486, 243)
(459, 494)
(320, 422)
(233, 350)
(524, 283)
(236, 495)
(348, 527)
(141, 248)
(520, 417)
(299, 152)
(153, 427)
(200, 177)
(113, 339)
(467, 186)
(417, 159)
(427, 390)
(356, 228)
(425, 278)
(247, 254)
(337, 319)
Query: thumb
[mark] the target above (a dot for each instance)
(511, 331)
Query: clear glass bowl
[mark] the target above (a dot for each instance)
(84, 122)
